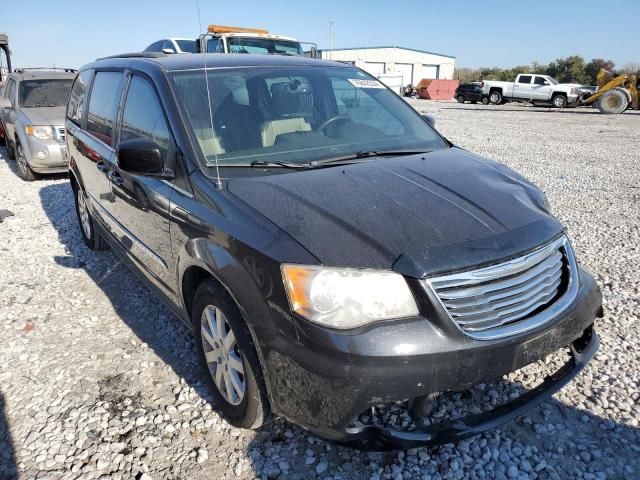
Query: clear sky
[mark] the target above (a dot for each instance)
(489, 33)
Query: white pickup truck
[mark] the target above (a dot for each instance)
(533, 88)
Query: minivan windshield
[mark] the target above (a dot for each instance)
(299, 114)
(44, 93)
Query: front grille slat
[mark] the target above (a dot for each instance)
(532, 275)
(492, 323)
(489, 306)
(487, 302)
(511, 309)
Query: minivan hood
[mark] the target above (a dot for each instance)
(45, 115)
(422, 214)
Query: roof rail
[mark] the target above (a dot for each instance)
(60, 69)
(136, 55)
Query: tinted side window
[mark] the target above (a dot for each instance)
(524, 79)
(143, 116)
(78, 97)
(154, 47)
(168, 44)
(539, 81)
(105, 96)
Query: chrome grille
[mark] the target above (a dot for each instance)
(510, 297)
(60, 134)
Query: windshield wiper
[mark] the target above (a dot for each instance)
(296, 166)
(366, 154)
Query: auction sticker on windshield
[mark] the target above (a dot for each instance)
(359, 83)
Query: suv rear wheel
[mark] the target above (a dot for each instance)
(229, 356)
(91, 237)
(24, 170)
(460, 98)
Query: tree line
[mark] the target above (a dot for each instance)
(571, 69)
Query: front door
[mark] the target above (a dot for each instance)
(541, 88)
(139, 206)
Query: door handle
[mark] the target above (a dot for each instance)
(115, 178)
(102, 166)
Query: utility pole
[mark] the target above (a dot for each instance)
(331, 39)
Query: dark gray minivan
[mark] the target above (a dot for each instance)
(331, 250)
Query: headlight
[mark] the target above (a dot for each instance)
(43, 132)
(347, 298)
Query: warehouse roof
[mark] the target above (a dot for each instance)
(392, 46)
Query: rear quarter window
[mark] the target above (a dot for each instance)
(78, 98)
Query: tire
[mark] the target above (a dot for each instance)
(11, 151)
(460, 98)
(485, 100)
(92, 239)
(214, 308)
(495, 97)
(24, 170)
(559, 101)
(613, 102)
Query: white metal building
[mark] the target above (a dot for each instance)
(396, 64)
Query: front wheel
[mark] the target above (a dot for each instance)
(495, 97)
(228, 355)
(559, 101)
(460, 98)
(24, 170)
(485, 100)
(613, 102)
(91, 237)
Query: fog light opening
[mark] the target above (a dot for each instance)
(41, 155)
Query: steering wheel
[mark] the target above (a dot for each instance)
(336, 118)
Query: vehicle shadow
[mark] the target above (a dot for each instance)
(144, 313)
(8, 467)
(281, 450)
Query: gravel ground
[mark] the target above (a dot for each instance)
(99, 380)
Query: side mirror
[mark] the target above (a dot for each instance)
(5, 103)
(546, 83)
(430, 119)
(168, 50)
(142, 157)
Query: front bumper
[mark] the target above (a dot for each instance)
(324, 378)
(56, 158)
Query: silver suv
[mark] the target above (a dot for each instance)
(32, 110)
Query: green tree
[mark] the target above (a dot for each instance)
(568, 70)
(591, 69)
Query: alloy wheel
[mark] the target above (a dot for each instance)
(83, 211)
(223, 355)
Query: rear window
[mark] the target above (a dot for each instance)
(524, 79)
(105, 96)
(44, 93)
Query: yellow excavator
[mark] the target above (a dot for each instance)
(615, 93)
